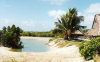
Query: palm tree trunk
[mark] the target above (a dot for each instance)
(65, 37)
(69, 35)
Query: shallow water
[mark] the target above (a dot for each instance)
(33, 45)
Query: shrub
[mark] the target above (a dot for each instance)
(10, 37)
(90, 49)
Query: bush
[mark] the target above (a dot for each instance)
(90, 49)
(10, 37)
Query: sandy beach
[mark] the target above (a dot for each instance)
(39, 38)
(66, 54)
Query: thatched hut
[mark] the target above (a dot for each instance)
(77, 35)
(95, 30)
(77, 32)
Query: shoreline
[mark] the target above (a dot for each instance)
(46, 39)
(66, 54)
(39, 38)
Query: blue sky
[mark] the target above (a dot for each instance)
(40, 15)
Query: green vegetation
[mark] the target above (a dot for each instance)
(69, 23)
(10, 37)
(84, 31)
(37, 34)
(62, 43)
(16, 50)
(90, 49)
(66, 26)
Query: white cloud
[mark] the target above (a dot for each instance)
(32, 25)
(93, 8)
(5, 22)
(56, 2)
(79, 13)
(56, 13)
(27, 25)
(89, 14)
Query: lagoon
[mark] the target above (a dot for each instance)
(34, 45)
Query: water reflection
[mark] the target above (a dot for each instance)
(33, 45)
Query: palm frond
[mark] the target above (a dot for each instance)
(70, 22)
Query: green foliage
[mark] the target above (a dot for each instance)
(37, 34)
(10, 37)
(69, 23)
(60, 42)
(84, 31)
(57, 33)
(90, 49)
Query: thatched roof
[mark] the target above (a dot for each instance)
(78, 32)
(95, 31)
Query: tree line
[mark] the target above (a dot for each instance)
(38, 34)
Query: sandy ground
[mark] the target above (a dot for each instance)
(66, 54)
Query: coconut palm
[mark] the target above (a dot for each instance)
(69, 23)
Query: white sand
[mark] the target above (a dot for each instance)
(39, 38)
(66, 54)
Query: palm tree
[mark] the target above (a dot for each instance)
(69, 23)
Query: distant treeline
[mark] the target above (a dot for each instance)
(38, 34)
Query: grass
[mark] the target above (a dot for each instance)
(16, 50)
(68, 43)
(62, 43)
(14, 60)
(97, 58)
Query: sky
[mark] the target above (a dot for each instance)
(40, 15)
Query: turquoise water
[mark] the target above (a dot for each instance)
(34, 45)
